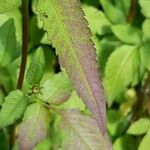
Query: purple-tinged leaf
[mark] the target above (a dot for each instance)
(83, 132)
(67, 29)
(34, 127)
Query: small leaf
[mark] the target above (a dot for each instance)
(145, 28)
(56, 90)
(36, 70)
(72, 40)
(8, 50)
(12, 109)
(125, 142)
(83, 132)
(145, 5)
(144, 145)
(141, 126)
(127, 34)
(114, 14)
(6, 5)
(98, 22)
(120, 70)
(145, 54)
(34, 127)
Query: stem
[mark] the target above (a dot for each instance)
(132, 11)
(25, 36)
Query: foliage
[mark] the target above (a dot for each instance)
(74, 49)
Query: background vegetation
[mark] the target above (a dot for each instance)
(121, 34)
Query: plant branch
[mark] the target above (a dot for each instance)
(132, 11)
(25, 36)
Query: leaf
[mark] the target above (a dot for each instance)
(71, 37)
(83, 132)
(4, 140)
(8, 51)
(6, 5)
(140, 126)
(145, 54)
(56, 90)
(125, 142)
(12, 109)
(36, 70)
(145, 29)
(127, 34)
(144, 145)
(34, 127)
(145, 5)
(98, 22)
(114, 14)
(120, 70)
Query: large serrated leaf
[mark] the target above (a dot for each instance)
(34, 127)
(83, 132)
(12, 108)
(120, 70)
(6, 5)
(67, 29)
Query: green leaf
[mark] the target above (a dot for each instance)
(12, 109)
(145, 28)
(141, 126)
(114, 14)
(36, 70)
(72, 40)
(120, 70)
(98, 22)
(127, 34)
(8, 50)
(56, 90)
(145, 54)
(83, 132)
(44, 145)
(125, 143)
(145, 5)
(4, 142)
(6, 5)
(35, 126)
(144, 145)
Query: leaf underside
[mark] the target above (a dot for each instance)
(67, 30)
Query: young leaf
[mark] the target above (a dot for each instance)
(34, 127)
(83, 132)
(144, 145)
(127, 34)
(145, 5)
(8, 49)
(114, 14)
(145, 29)
(71, 37)
(6, 5)
(141, 126)
(12, 109)
(56, 90)
(120, 70)
(145, 54)
(36, 69)
(98, 22)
